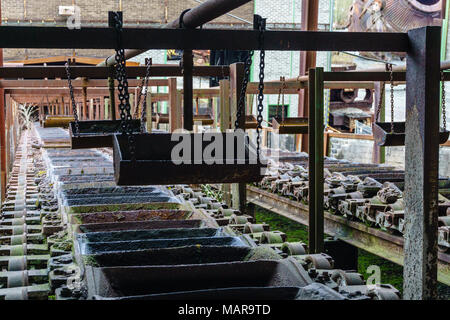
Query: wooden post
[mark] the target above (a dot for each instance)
(421, 164)
(132, 105)
(8, 134)
(91, 109)
(2, 134)
(148, 112)
(112, 98)
(102, 108)
(106, 108)
(315, 168)
(379, 153)
(85, 114)
(225, 124)
(187, 63)
(175, 113)
(238, 190)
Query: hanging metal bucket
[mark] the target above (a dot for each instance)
(158, 159)
(384, 137)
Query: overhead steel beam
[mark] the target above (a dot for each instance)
(9, 84)
(94, 72)
(194, 18)
(104, 38)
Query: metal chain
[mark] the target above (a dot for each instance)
(124, 97)
(241, 104)
(72, 98)
(259, 118)
(380, 102)
(279, 96)
(391, 79)
(282, 98)
(141, 87)
(144, 108)
(444, 116)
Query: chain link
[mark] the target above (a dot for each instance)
(444, 116)
(241, 104)
(391, 79)
(126, 125)
(72, 98)
(380, 102)
(262, 65)
(143, 84)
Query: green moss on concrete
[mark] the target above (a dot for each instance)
(293, 230)
(390, 272)
(124, 207)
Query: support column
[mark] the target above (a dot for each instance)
(148, 112)
(106, 108)
(2, 143)
(238, 190)
(112, 98)
(85, 107)
(379, 153)
(91, 109)
(310, 18)
(175, 116)
(102, 108)
(225, 124)
(421, 164)
(188, 116)
(315, 159)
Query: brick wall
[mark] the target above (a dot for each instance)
(95, 12)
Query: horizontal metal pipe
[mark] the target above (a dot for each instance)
(95, 72)
(356, 76)
(139, 38)
(9, 84)
(195, 17)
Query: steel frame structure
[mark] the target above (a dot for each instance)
(422, 113)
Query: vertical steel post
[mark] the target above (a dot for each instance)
(315, 170)
(188, 115)
(112, 98)
(237, 74)
(85, 102)
(379, 153)
(175, 120)
(225, 124)
(421, 164)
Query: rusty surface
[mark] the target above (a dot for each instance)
(422, 164)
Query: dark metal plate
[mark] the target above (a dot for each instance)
(97, 134)
(290, 125)
(383, 136)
